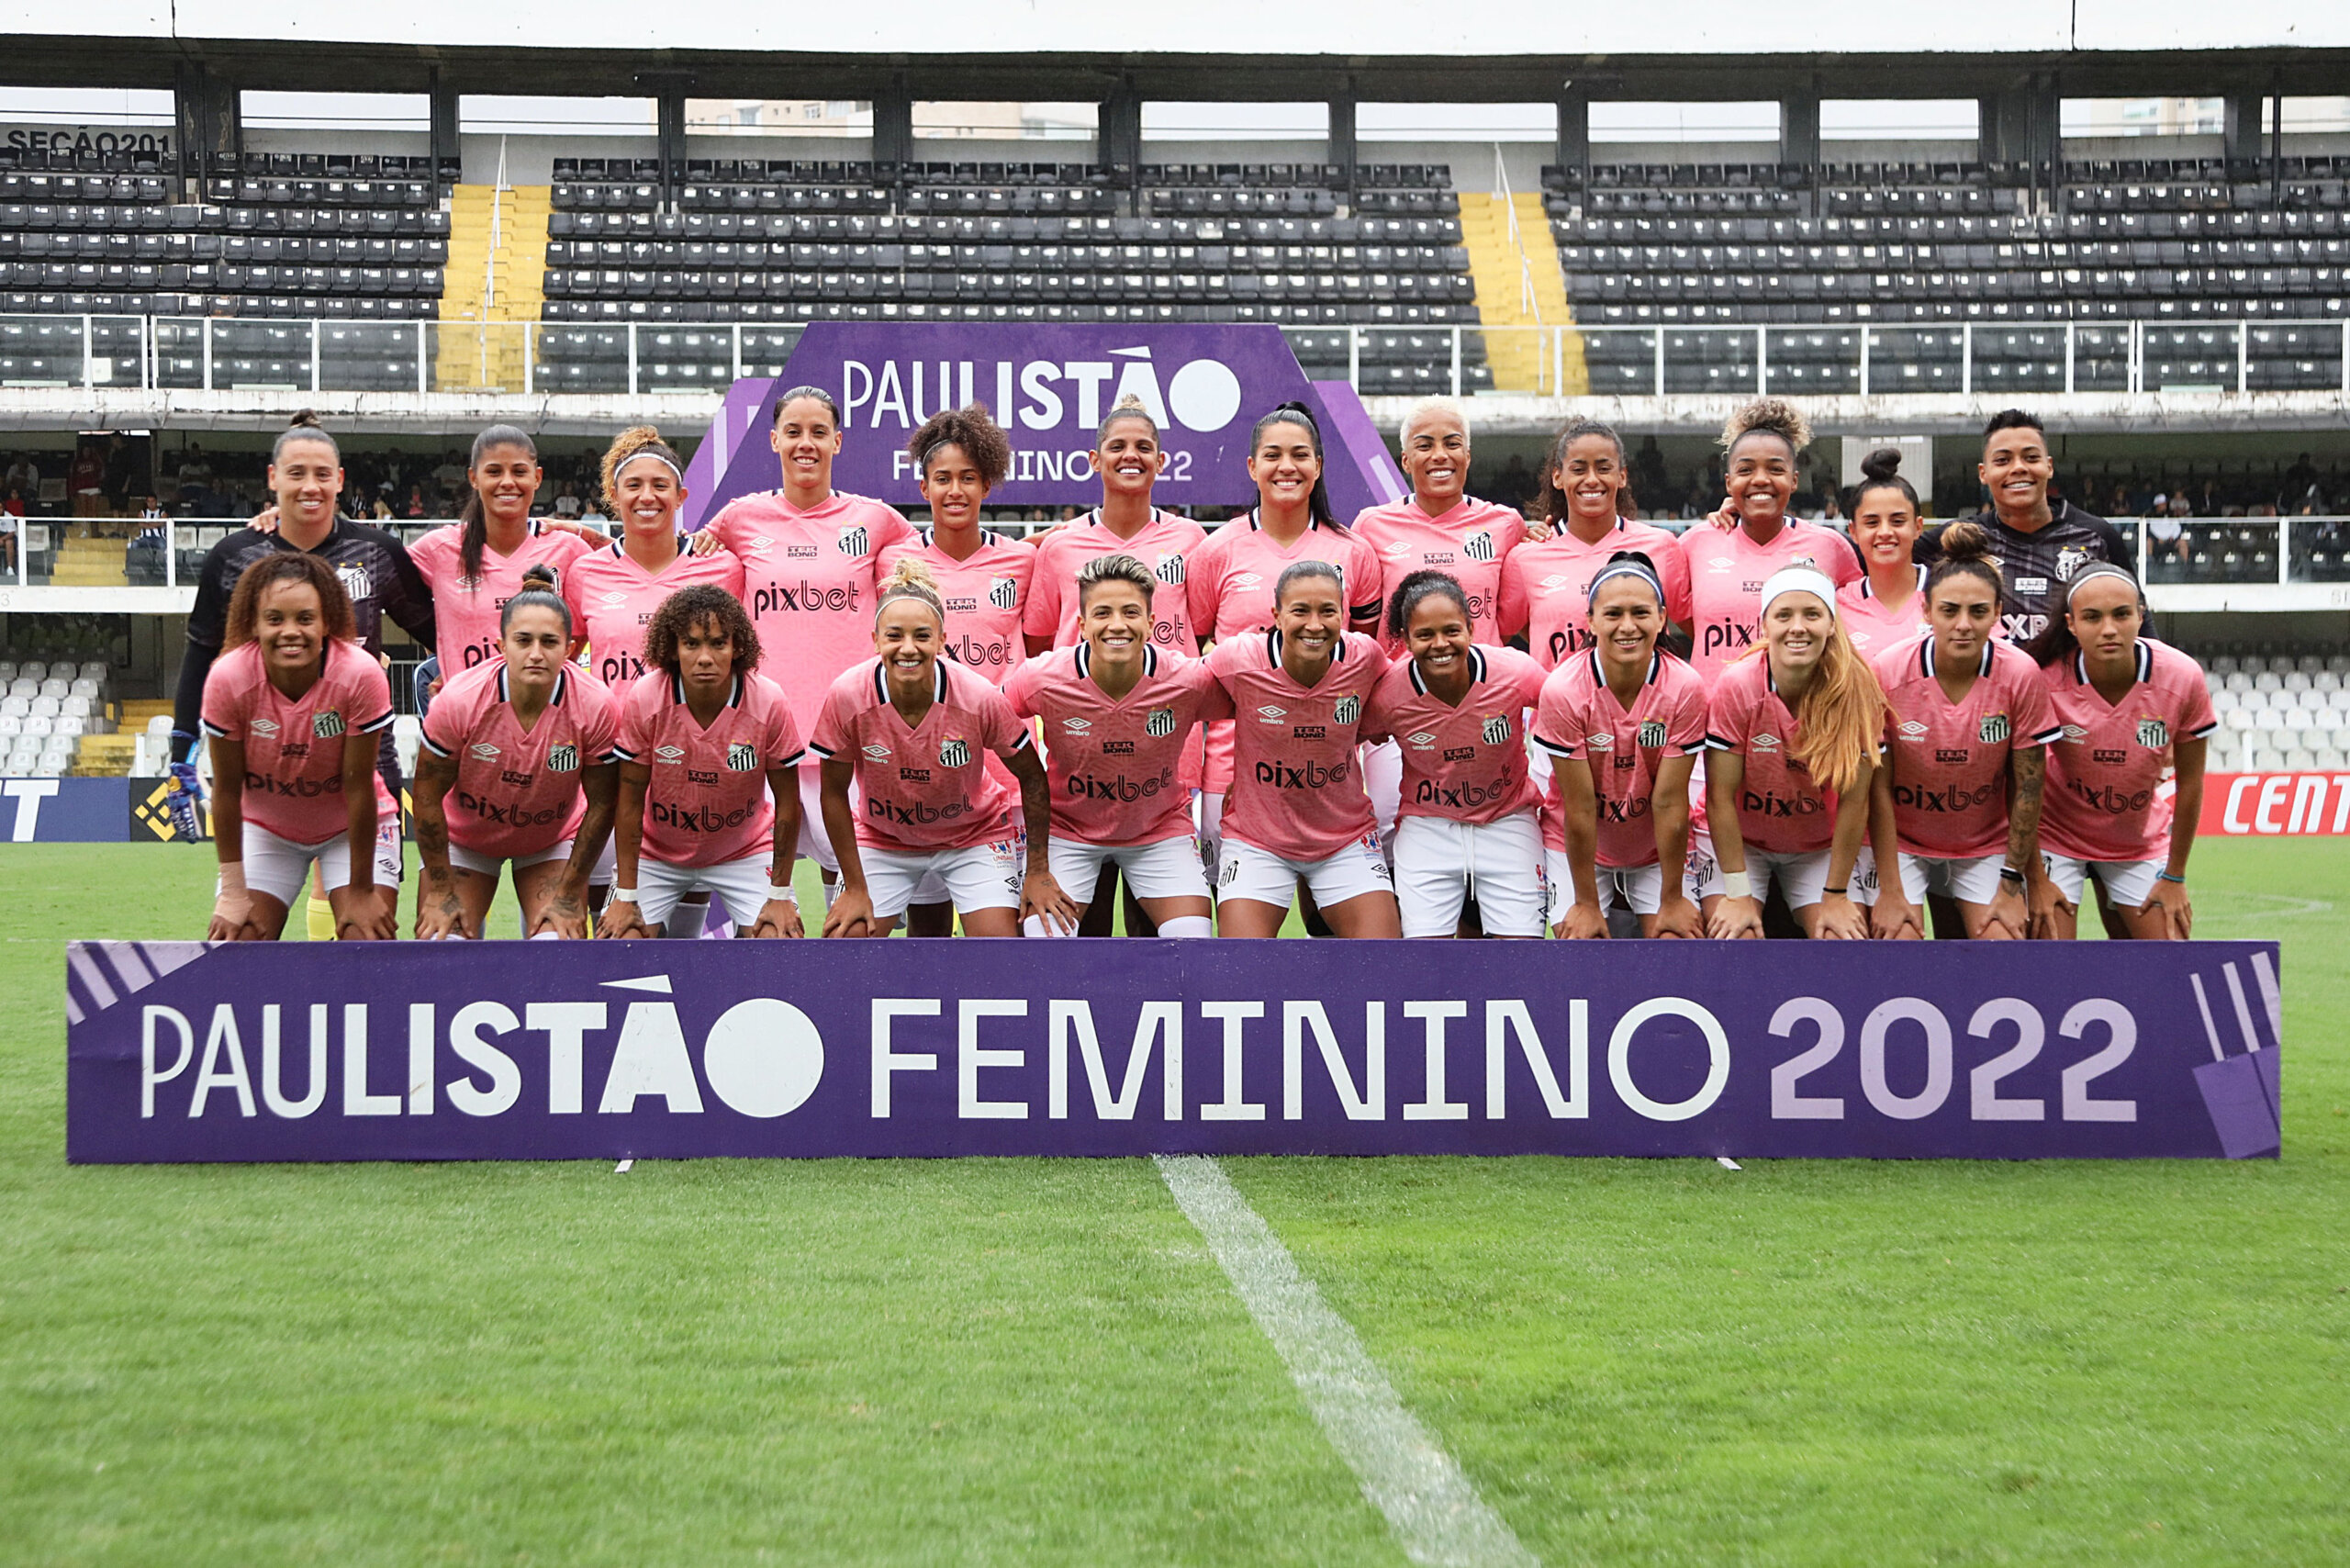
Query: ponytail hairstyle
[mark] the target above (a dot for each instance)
(637, 441)
(1554, 500)
(690, 606)
(1128, 407)
(1966, 551)
(1416, 588)
(475, 516)
(1840, 715)
(538, 593)
(1768, 416)
(1296, 413)
(1628, 563)
(910, 579)
(1881, 470)
(288, 567)
(1114, 569)
(304, 426)
(974, 430)
(2056, 640)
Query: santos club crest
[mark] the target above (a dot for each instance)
(954, 754)
(1004, 592)
(1160, 723)
(1478, 546)
(327, 725)
(1346, 710)
(1994, 729)
(853, 541)
(563, 759)
(2153, 733)
(1497, 729)
(1652, 734)
(741, 758)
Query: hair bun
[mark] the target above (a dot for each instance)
(1882, 464)
(910, 573)
(1963, 539)
(1125, 400)
(539, 575)
(1633, 559)
(306, 418)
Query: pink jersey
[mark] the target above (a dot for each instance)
(1297, 789)
(1873, 628)
(612, 600)
(1780, 808)
(930, 787)
(985, 596)
(1624, 748)
(517, 790)
(1468, 543)
(465, 609)
(293, 745)
(1117, 764)
(1950, 759)
(2101, 803)
(1464, 763)
(707, 802)
(1166, 544)
(809, 581)
(1545, 587)
(1727, 571)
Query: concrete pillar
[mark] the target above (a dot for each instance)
(1799, 130)
(210, 124)
(448, 149)
(1574, 134)
(1117, 134)
(893, 129)
(670, 119)
(2243, 126)
(1342, 140)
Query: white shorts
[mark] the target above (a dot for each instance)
(1248, 872)
(741, 885)
(2128, 883)
(815, 844)
(465, 859)
(1383, 780)
(1640, 889)
(280, 867)
(1802, 878)
(985, 876)
(1862, 886)
(1211, 821)
(1439, 863)
(1169, 868)
(1974, 879)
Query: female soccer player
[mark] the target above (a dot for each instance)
(1968, 719)
(1120, 715)
(1227, 584)
(1545, 584)
(2126, 703)
(1889, 604)
(708, 749)
(1793, 735)
(522, 747)
(614, 590)
(1470, 821)
(1128, 460)
(914, 733)
(2037, 544)
(292, 708)
(476, 563)
(1297, 812)
(810, 562)
(1623, 724)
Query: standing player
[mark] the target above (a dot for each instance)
(1793, 736)
(1546, 583)
(708, 801)
(614, 590)
(476, 563)
(1297, 812)
(2127, 704)
(1471, 820)
(1623, 724)
(522, 747)
(914, 733)
(1128, 460)
(293, 707)
(1960, 789)
(2037, 545)
(1889, 604)
(1120, 716)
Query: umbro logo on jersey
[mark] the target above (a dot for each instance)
(1652, 734)
(1763, 742)
(1004, 592)
(1420, 740)
(1497, 729)
(1077, 726)
(742, 758)
(1479, 546)
(2153, 733)
(1397, 548)
(470, 583)
(1169, 570)
(1555, 580)
(1246, 579)
(563, 759)
(1272, 715)
(613, 600)
(954, 754)
(485, 751)
(1346, 710)
(853, 541)
(877, 753)
(2076, 733)
(264, 726)
(1994, 729)
(1161, 721)
(326, 726)
(1601, 742)
(1912, 728)
(669, 752)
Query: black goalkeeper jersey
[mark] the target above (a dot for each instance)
(2036, 566)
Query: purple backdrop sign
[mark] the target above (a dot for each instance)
(1049, 387)
(177, 1051)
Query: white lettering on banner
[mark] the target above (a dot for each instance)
(421, 1042)
(1787, 1105)
(30, 794)
(1232, 1107)
(888, 1060)
(356, 1101)
(1874, 1082)
(1619, 1059)
(1432, 1106)
(1503, 1017)
(970, 1056)
(567, 1025)
(1157, 1019)
(505, 1078)
(1371, 1105)
(211, 1076)
(891, 394)
(762, 1058)
(2122, 1038)
(149, 1017)
(851, 398)
(2308, 804)
(1089, 375)
(1044, 411)
(651, 1060)
(1982, 1083)
(1985, 1103)
(1204, 395)
(273, 1077)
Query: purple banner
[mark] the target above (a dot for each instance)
(180, 1051)
(1049, 387)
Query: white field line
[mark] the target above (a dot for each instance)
(1435, 1514)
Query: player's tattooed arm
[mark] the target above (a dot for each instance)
(2029, 767)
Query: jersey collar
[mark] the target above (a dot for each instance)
(1085, 660)
(1926, 656)
(1476, 671)
(881, 680)
(562, 684)
(1656, 668)
(677, 691)
(1273, 648)
(2145, 661)
(1867, 592)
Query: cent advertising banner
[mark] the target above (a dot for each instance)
(183, 1051)
(2276, 804)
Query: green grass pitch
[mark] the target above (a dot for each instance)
(723, 1363)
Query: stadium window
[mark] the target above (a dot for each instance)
(1623, 121)
(1457, 122)
(1900, 119)
(942, 120)
(1179, 121)
(525, 115)
(340, 111)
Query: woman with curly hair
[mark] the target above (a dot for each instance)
(709, 786)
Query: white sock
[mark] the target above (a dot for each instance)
(1187, 925)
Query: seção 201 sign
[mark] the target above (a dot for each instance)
(180, 1051)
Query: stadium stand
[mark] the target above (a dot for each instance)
(2281, 710)
(50, 712)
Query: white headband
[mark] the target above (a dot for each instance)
(657, 458)
(2099, 569)
(1800, 579)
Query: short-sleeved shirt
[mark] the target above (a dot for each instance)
(1949, 760)
(374, 567)
(465, 609)
(2036, 566)
(1465, 764)
(1874, 627)
(516, 791)
(1578, 716)
(1297, 788)
(612, 600)
(1727, 571)
(1115, 764)
(1781, 808)
(1468, 543)
(2104, 772)
(928, 786)
(985, 595)
(1166, 544)
(707, 801)
(293, 745)
(1545, 587)
(809, 581)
